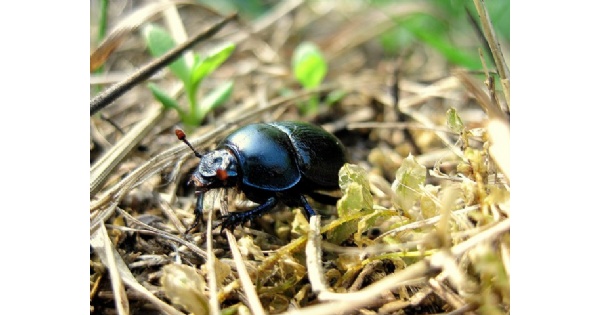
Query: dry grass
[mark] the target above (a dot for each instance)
(449, 254)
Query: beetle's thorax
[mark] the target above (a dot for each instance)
(216, 169)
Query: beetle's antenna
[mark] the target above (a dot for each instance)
(181, 136)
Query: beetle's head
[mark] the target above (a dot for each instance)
(217, 168)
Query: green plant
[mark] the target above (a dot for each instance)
(309, 67)
(446, 31)
(159, 42)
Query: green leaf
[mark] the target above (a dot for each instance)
(435, 33)
(365, 223)
(356, 191)
(428, 201)
(354, 200)
(407, 185)
(453, 121)
(300, 225)
(205, 66)
(164, 98)
(214, 99)
(309, 65)
(184, 286)
(453, 54)
(342, 232)
(160, 42)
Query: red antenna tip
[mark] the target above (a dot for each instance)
(180, 134)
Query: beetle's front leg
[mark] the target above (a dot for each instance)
(236, 218)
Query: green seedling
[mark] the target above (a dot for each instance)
(159, 42)
(309, 67)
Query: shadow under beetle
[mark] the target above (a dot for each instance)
(271, 163)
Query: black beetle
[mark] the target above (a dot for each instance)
(271, 163)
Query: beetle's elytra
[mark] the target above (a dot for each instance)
(271, 163)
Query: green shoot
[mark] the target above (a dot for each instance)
(309, 67)
(159, 41)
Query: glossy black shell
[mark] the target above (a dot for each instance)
(278, 156)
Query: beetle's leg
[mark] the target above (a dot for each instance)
(236, 218)
(197, 212)
(307, 207)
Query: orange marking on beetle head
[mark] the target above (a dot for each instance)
(222, 174)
